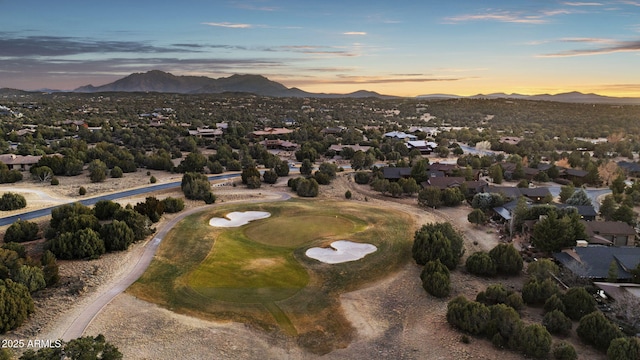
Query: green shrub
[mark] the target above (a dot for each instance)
(173, 205)
(21, 231)
(536, 291)
(97, 171)
(562, 350)
(554, 303)
(438, 241)
(481, 264)
(105, 209)
(82, 191)
(507, 259)
(625, 348)
(469, 316)
(12, 201)
(306, 187)
(270, 176)
(435, 279)
(505, 322)
(50, 268)
(535, 341)
(557, 323)
(597, 330)
(116, 172)
(117, 236)
(362, 177)
(197, 187)
(578, 303)
(81, 244)
(16, 305)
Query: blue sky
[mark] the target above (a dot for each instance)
(398, 47)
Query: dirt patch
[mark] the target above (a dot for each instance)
(257, 264)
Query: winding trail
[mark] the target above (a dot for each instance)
(90, 311)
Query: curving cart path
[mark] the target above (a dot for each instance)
(90, 311)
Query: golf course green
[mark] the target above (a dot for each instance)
(258, 273)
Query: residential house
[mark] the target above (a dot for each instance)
(401, 135)
(475, 187)
(444, 182)
(429, 131)
(537, 195)
(19, 162)
(509, 192)
(425, 147)
(574, 175)
(331, 131)
(594, 261)
(631, 168)
(511, 140)
(396, 173)
(507, 209)
(338, 148)
(616, 233)
(206, 132)
(280, 144)
(271, 132)
(586, 212)
(470, 188)
(447, 169)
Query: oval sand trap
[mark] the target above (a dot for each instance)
(341, 251)
(237, 218)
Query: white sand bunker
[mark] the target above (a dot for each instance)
(237, 218)
(341, 251)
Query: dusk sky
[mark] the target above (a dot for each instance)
(401, 47)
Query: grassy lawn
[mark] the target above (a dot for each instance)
(258, 273)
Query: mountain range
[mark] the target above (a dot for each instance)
(569, 97)
(159, 81)
(163, 82)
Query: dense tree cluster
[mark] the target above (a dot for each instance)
(21, 231)
(433, 197)
(20, 276)
(15, 304)
(498, 294)
(438, 241)
(75, 231)
(304, 187)
(196, 186)
(82, 348)
(501, 324)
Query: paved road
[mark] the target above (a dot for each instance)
(119, 195)
(82, 321)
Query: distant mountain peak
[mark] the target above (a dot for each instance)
(160, 81)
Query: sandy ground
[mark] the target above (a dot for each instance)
(394, 317)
